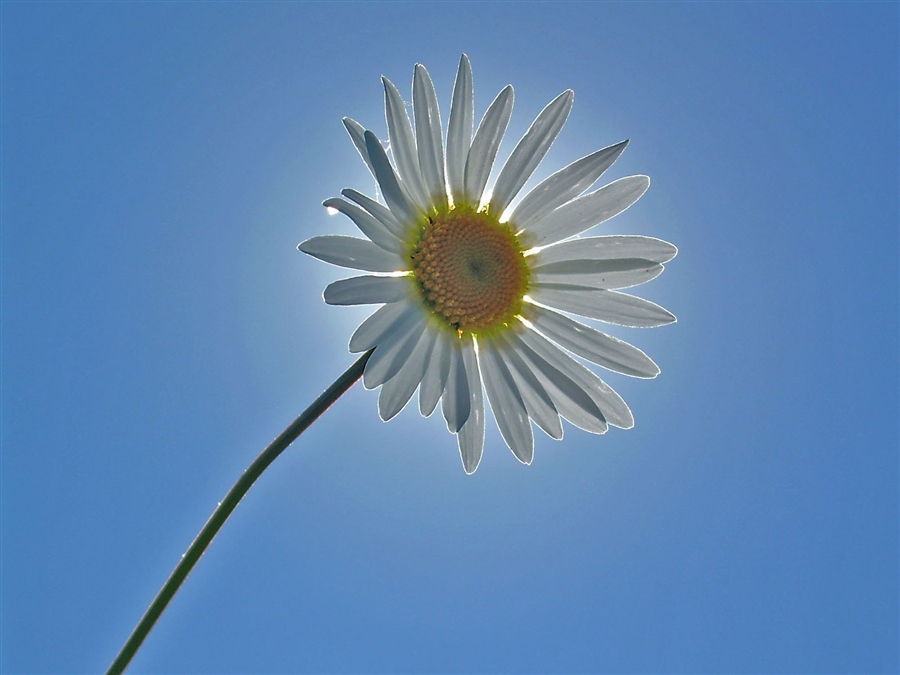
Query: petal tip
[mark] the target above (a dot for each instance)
(470, 465)
(388, 85)
(669, 317)
(386, 415)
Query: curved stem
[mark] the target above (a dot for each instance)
(220, 515)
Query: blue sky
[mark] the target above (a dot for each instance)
(160, 163)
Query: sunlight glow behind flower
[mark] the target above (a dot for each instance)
(468, 285)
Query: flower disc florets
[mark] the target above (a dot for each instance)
(470, 270)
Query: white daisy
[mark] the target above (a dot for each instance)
(469, 286)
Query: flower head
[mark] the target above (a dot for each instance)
(470, 287)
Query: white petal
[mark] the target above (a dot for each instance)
(564, 185)
(569, 397)
(619, 273)
(530, 151)
(371, 331)
(537, 401)
(367, 290)
(607, 247)
(610, 403)
(591, 344)
(360, 254)
(396, 392)
(367, 224)
(588, 210)
(506, 403)
(396, 199)
(392, 353)
(486, 143)
(456, 400)
(428, 136)
(459, 131)
(471, 437)
(435, 378)
(358, 136)
(380, 212)
(608, 306)
(403, 145)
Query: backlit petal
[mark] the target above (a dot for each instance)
(358, 136)
(435, 378)
(537, 401)
(403, 145)
(359, 254)
(506, 403)
(486, 143)
(392, 353)
(530, 151)
(396, 392)
(607, 247)
(610, 403)
(564, 185)
(471, 437)
(459, 131)
(608, 306)
(403, 209)
(371, 331)
(569, 397)
(588, 210)
(380, 212)
(367, 290)
(456, 400)
(619, 273)
(367, 224)
(591, 344)
(428, 136)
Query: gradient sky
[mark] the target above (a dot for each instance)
(160, 163)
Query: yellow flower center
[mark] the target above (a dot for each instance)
(470, 270)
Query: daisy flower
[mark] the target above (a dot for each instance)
(475, 292)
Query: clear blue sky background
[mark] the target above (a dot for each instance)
(160, 163)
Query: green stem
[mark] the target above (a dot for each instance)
(220, 515)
